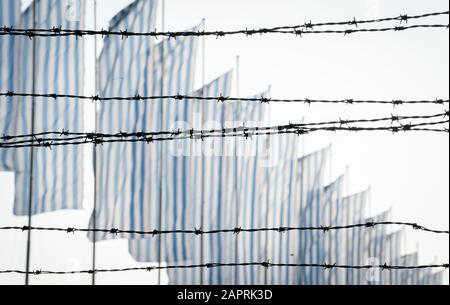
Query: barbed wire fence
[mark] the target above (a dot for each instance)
(265, 264)
(239, 230)
(297, 30)
(221, 99)
(51, 139)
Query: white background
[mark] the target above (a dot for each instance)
(407, 171)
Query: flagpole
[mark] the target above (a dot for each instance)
(238, 106)
(266, 242)
(202, 209)
(163, 25)
(94, 240)
(30, 195)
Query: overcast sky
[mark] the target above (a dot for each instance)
(409, 172)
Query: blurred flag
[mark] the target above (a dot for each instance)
(392, 256)
(311, 174)
(437, 278)
(127, 67)
(375, 240)
(9, 16)
(187, 247)
(59, 67)
(354, 209)
(409, 276)
(247, 184)
(280, 187)
(330, 247)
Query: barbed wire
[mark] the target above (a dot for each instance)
(59, 32)
(236, 231)
(122, 135)
(401, 18)
(307, 25)
(265, 264)
(241, 132)
(221, 98)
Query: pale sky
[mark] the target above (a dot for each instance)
(409, 172)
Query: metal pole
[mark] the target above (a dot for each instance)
(236, 186)
(94, 245)
(266, 275)
(30, 195)
(202, 203)
(163, 13)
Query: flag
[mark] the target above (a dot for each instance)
(9, 16)
(437, 278)
(409, 276)
(127, 67)
(392, 256)
(280, 188)
(330, 243)
(375, 240)
(216, 169)
(311, 173)
(245, 178)
(59, 67)
(188, 247)
(354, 210)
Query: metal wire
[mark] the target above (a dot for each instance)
(237, 230)
(265, 264)
(179, 97)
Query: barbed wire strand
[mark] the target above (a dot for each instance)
(307, 25)
(122, 135)
(221, 98)
(266, 264)
(59, 32)
(236, 231)
(245, 133)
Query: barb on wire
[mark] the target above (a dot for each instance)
(32, 33)
(221, 98)
(235, 231)
(240, 132)
(66, 135)
(265, 264)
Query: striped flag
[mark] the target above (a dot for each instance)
(375, 239)
(354, 209)
(311, 173)
(127, 67)
(392, 255)
(409, 276)
(216, 169)
(9, 16)
(282, 178)
(329, 242)
(245, 177)
(187, 246)
(59, 67)
(437, 278)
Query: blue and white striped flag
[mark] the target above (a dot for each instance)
(59, 67)
(375, 239)
(329, 246)
(437, 278)
(354, 211)
(9, 16)
(311, 174)
(126, 172)
(409, 276)
(216, 169)
(284, 150)
(392, 254)
(246, 178)
(187, 247)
